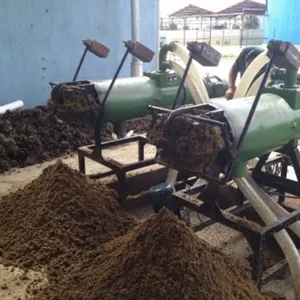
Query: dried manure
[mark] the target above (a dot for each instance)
(74, 229)
(56, 216)
(32, 136)
(159, 259)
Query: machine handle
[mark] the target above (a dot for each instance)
(255, 103)
(94, 47)
(250, 115)
(136, 49)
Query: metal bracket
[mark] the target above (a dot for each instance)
(94, 47)
(203, 54)
(141, 52)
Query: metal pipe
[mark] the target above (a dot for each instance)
(136, 64)
(210, 31)
(158, 32)
(182, 81)
(11, 106)
(195, 72)
(254, 105)
(184, 33)
(282, 237)
(100, 112)
(164, 64)
(80, 63)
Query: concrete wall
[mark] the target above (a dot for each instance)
(41, 42)
(282, 21)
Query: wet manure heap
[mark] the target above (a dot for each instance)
(160, 258)
(59, 215)
(77, 112)
(33, 136)
(185, 146)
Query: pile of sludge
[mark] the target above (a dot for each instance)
(33, 136)
(185, 146)
(76, 231)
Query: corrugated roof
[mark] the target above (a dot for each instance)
(244, 6)
(190, 11)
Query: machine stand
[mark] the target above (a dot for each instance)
(259, 275)
(94, 152)
(117, 168)
(227, 205)
(278, 181)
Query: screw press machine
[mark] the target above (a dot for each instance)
(118, 100)
(214, 142)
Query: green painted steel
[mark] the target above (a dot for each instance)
(274, 124)
(130, 97)
(164, 64)
(290, 78)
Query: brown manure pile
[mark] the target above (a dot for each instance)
(32, 136)
(77, 112)
(159, 259)
(185, 146)
(139, 125)
(55, 217)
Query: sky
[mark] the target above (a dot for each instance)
(169, 6)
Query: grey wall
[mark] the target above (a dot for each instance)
(40, 41)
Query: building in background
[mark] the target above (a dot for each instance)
(241, 24)
(282, 20)
(41, 42)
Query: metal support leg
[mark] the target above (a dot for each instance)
(283, 174)
(240, 198)
(141, 149)
(122, 185)
(295, 158)
(119, 129)
(257, 271)
(263, 159)
(81, 163)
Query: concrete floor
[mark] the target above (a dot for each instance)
(230, 241)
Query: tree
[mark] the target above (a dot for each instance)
(251, 22)
(236, 26)
(173, 26)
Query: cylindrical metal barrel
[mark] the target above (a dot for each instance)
(131, 97)
(274, 124)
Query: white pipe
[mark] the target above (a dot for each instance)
(282, 237)
(255, 86)
(136, 64)
(194, 83)
(195, 71)
(258, 63)
(179, 67)
(11, 106)
(278, 210)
